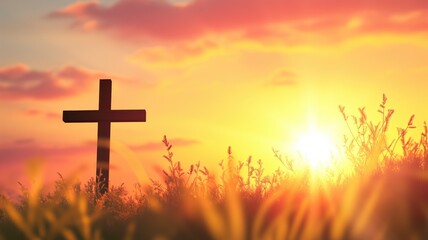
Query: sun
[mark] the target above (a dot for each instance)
(317, 149)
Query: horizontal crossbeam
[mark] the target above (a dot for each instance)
(104, 116)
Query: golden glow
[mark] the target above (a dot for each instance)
(316, 149)
(215, 85)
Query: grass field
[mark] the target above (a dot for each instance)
(382, 193)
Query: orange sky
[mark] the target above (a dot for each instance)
(249, 74)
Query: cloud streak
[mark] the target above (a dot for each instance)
(27, 148)
(19, 81)
(46, 114)
(283, 78)
(142, 19)
(175, 55)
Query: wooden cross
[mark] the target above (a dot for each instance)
(104, 116)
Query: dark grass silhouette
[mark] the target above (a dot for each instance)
(385, 197)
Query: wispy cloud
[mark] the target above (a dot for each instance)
(135, 19)
(283, 78)
(23, 141)
(27, 148)
(19, 81)
(176, 54)
(46, 114)
(23, 149)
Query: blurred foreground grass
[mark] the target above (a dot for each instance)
(383, 196)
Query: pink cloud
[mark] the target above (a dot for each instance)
(24, 149)
(46, 114)
(20, 82)
(24, 141)
(141, 19)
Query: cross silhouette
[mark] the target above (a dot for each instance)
(104, 116)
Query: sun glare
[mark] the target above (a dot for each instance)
(316, 149)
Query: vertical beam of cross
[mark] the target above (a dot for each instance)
(103, 146)
(104, 116)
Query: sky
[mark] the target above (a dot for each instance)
(249, 74)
